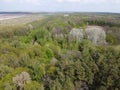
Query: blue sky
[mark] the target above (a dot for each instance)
(61, 5)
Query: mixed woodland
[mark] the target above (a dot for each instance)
(61, 52)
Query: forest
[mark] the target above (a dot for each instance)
(61, 51)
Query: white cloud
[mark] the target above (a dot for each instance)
(68, 0)
(72, 1)
(7, 0)
(90, 1)
(37, 2)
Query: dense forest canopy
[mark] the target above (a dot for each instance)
(73, 51)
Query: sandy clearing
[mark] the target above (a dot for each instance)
(7, 16)
(19, 19)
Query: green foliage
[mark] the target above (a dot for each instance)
(6, 81)
(37, 71)
(68, 84)
(51, 70)
(25, 39)
(49, 53)
(42, 36)
(56, 85)
(55, 49)
(56, 63)
(33, 85)
(111, 39)
(4, 70)
(15, 30)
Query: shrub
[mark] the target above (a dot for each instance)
(111, 39)
(33, 85)
(4, 70)
(49, 53)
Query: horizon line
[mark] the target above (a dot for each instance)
(56, 12)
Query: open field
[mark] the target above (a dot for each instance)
(15, 19)
(9, 16)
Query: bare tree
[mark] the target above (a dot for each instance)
(21, 79)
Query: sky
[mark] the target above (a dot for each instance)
(60, 5)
